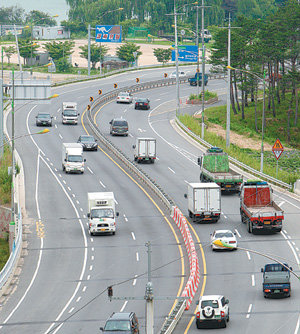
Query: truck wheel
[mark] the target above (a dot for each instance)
(114, 233)
(201, 177)
(224, 324)
(248, 227)
(190, 214)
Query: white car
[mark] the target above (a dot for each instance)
(212, 310)
(225, 236)
(124, 97)
(181, 74)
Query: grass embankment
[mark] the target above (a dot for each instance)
(289, 162)
(5, 197)
(207, 96)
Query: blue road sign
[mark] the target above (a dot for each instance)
(108, 34)
(186, 53)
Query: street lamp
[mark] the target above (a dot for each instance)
(89, 38)
(263, 79)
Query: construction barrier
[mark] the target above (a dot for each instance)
(193, 281)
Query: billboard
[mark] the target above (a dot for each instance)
(108, 34)
(186, 53)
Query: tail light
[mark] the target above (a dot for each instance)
(286, 290)
(267, 290)
(222, 314)
(198, 315)
(232, 242)
(217, 214)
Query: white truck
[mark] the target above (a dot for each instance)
(69, 113)
(72, 158)
(145, 150)
(204, 202)
(102, 213)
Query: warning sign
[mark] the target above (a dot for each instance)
(277, 149)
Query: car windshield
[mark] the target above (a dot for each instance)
(70, 112)
(44, 116)
(102, 213)
(223, 235)
(120, 123)
(117, 325)
(87, 139)
(142, 100)
(75, 158)
(212, 303)
(124, 94)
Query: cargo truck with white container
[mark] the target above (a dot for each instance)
(72, 158)
(204, 202)
(102, 213)
(69, 113)
(145, 150)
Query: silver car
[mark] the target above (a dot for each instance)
(124, 97)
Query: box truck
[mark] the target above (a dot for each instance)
(102, 213)
(204, 202)
(145, 150)
(72, 158)
(69, 113)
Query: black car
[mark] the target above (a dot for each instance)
(43, 118)
(142, 103)
(89, 143)
(119, 322)
(118, 126)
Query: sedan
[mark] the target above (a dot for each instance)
(181, 74)
(225, 236)
(142, 103)
(89, 143)
(124, 97)
(43, 118)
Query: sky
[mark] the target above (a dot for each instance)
(53, 7)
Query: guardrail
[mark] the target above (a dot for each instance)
(172, 320)
(236, 162)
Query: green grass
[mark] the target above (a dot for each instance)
(289, 163)
(5, 179)
(4, 252)
(207, 95)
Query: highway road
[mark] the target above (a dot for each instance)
(66, 272)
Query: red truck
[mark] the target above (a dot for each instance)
(258, 210)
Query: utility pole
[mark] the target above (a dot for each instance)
(228, 87)
(197, 42)
(89, 50)
(13, 149)
(149, 296)
(17, 47)
(203, 71)
(176, 60)
(1, 110)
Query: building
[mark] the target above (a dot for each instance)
(58, 32)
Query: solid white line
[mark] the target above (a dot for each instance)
(60, 136)
(171, 170)
(237, 232)
(284, 231)
(90, 170)
(77, 300)
(297, 326)
(137, 256)
(116, 201)
(292, 248)
(124, 305)
(71, 310)
(281, 203)
(249, 310)
(248, 254)
(102, 184)
(133, 236)
(253, 280)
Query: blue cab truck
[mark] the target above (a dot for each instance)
(276, 280)
(197, 79)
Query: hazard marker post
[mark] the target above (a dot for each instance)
(277, 150)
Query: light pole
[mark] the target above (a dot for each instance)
(89, 38)
(263, 79)
(228, 88)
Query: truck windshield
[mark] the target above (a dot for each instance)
(275, 267)
(117, 325)
(75, 158)
(70, 112)
(102, 213)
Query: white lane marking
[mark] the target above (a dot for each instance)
(55, 118)
(77, 300)
(64, 182)
(88, 277)
(225, 216)
(59, 175)
(253, 280)
(92, 240)
(58, 110)
(134, 282)
(126, 219)
(81, 209)
(237, 232)
(130, 135)
(141, 130)
(69, 188)
(292, 248)
(157, 100)
(51, 164)
(125, 110)
(47, 159)
(73, 195)
(55, 169)
(83, 289)
(77, 201)
(293, 243)
(157, 158)
(281, 203)
(60, 136)
(116, 201)
(133, 236)
(124, 305)
(91, 267)
(71, 310)
(84, 216)
(248, 254)
(102, 184)
(83, 233)
(186, 181)
(297, 326)
(171, 170)
(297, 249)
(90, 170)
(284, 231)
(289, 236)
(296, 206)
(55, 126)
(249, 311)
(137, 256)
(93, 249)
(92, 258)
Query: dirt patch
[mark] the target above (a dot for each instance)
(239, 140)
